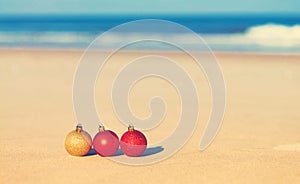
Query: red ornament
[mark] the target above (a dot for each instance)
(133, 142)
(106, 142)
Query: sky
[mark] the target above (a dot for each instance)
(148, 6)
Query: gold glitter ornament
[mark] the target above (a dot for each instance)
(78, 142)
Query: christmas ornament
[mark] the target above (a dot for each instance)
(133, 142)
(78, 142)
(106, 142)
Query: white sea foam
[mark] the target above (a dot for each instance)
(275, 35)
(44, 37)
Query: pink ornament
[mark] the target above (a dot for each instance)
(106, 142)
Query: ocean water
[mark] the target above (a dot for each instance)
(246, 33)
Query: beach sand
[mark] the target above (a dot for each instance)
(258, 142)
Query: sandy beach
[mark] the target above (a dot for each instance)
(259, 141)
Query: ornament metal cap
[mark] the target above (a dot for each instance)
(79, 127)
(130, 127)
(101, 128)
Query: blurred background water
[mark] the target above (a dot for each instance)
(265, 33)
